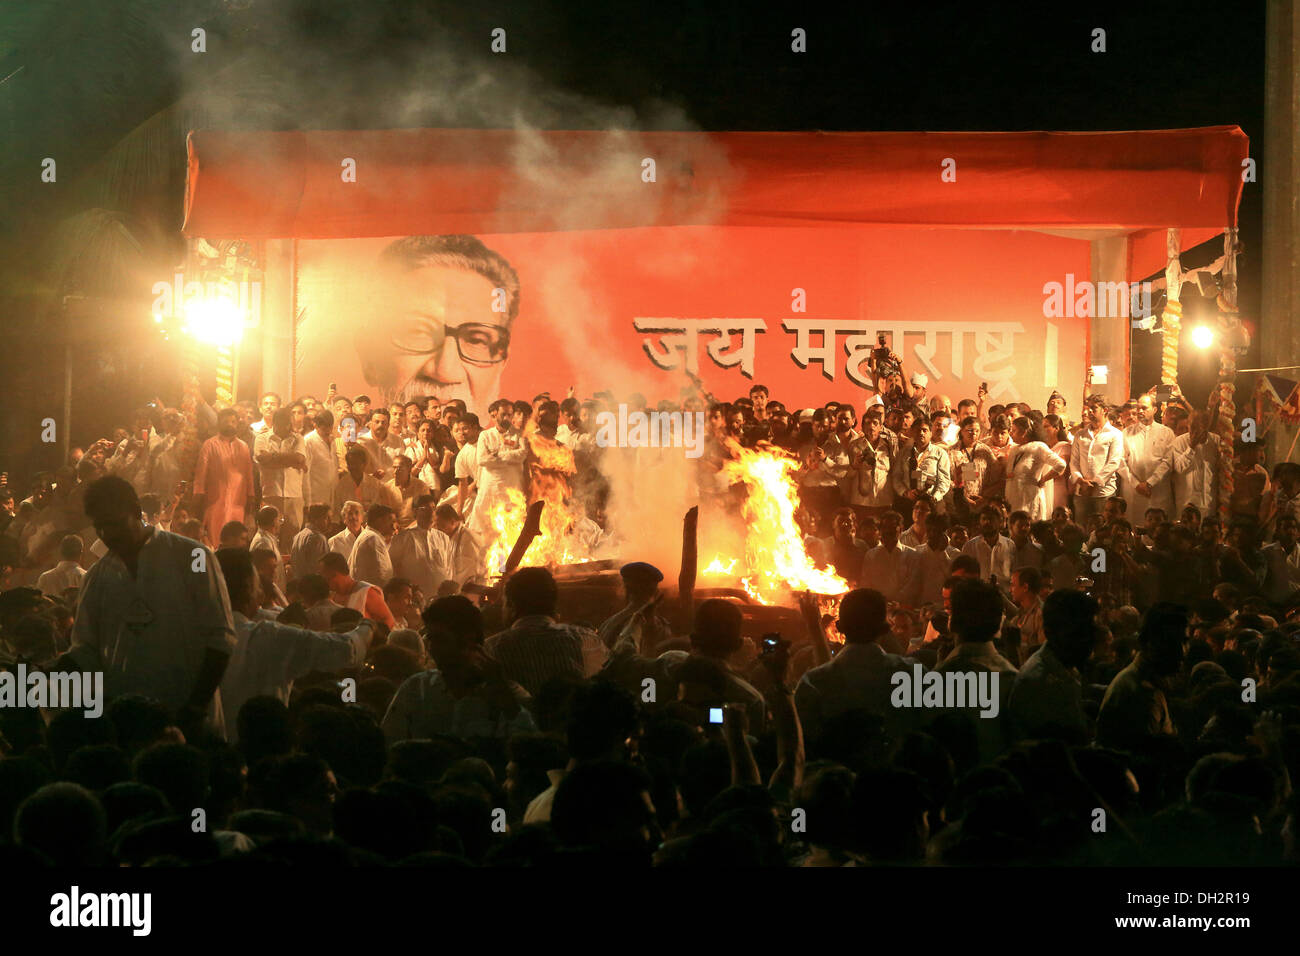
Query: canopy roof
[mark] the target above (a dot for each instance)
(1081, 185)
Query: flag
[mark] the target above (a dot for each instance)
(1280, 389)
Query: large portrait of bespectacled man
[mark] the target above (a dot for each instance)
(438, 322)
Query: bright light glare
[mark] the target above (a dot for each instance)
(1202, 336)
(214, 321)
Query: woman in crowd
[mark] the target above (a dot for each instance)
(1032, 468)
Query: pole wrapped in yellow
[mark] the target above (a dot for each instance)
(1171, 323)
(225, 375)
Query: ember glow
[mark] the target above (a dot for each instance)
(549, 469)
(775, 562)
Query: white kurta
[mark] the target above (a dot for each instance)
(268, 657)
(1097, 457)
(1026, 466)
(151, 630)
(500, 468)
(322, 469)
(370, 560)
(869, 484)
(280, 481)
(1148, 457)
(414, 558)
(64, 575)
(343, 542)
(1196, 474)
(309, 546)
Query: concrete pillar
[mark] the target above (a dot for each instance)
(1279, 175)
(1108, 336)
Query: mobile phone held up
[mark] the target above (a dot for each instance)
(715, 715)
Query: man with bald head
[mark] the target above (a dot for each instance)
(943, 403)
(1145, 469)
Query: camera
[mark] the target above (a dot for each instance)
(880, 356)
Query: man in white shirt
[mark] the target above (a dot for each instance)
(68, 573)
(154, 614)
(466, 432)
(890, 567)
(281, 457)
(268, 657)
(1196, 466)
(501, 453)
(916, 533)
(310, 544)
(322, 461)
(165, 468)
(131, 458)
(1144, 470)
(838, 448)
(922, 469)
(1095, 457)
(414, 554)
(869, 485)
(351, 515)
(382, 446)
(995, 552)
(370, 560)
(460, 550)
(268, 406)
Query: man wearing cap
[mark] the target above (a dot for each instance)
(641, 585)
(919, 383)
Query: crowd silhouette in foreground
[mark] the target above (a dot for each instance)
(307, 658)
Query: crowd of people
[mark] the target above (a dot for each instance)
(304, 635)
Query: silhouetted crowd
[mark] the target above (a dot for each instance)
(1060, 643)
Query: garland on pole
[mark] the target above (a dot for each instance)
(1229, 326)
(1226, 425)
(1171, 321)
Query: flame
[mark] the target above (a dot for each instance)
(549, 466)
(775, 561)
(717, 569)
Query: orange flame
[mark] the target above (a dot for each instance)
(775, 561)
(549, 466)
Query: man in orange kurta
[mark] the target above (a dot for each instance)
(223, 478)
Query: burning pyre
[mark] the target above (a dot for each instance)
(775, 562)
